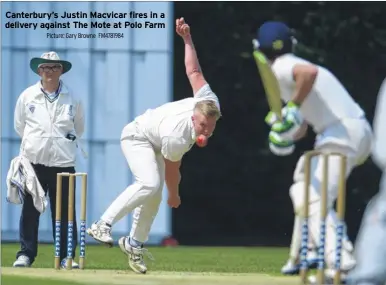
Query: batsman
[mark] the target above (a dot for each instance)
(313, 97)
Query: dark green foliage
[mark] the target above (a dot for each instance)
(235, 189)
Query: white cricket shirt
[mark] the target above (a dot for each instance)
(169, 128)
(328, 101)
(379, 126)
(43, 122)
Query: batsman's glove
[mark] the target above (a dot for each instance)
(280, 146)
(289, 127)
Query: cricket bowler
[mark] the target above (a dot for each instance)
(154, 145)
(313, 97)
(370, 249)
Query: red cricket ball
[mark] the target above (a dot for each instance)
(202, 141)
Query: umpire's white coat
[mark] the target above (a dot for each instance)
(44, 124)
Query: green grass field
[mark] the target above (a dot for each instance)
(175, 265)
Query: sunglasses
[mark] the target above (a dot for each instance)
(51, 68)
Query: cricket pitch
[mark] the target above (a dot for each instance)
(118, 277)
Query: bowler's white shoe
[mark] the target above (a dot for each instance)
(101, 231)
(22, 261)
(135, 255)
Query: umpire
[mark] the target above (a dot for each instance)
(49, 120)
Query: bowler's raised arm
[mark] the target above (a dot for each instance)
(193, 69)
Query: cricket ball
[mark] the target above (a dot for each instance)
(202, 141)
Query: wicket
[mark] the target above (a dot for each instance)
(58, 213)
(341, 204)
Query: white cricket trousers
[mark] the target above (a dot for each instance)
(145, 194)
(370, 244)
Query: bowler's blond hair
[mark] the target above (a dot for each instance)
(208, 108)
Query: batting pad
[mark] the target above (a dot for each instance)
(347, 258)
(314, 224)
(296, 239)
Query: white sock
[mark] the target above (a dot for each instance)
(132, 197)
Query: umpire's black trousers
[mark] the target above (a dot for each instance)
(29, 220)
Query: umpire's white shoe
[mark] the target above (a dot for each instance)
(135, 255)
(22, 261)
(101, 231)
(63, 264)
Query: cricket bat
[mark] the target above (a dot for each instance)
(271, 86)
